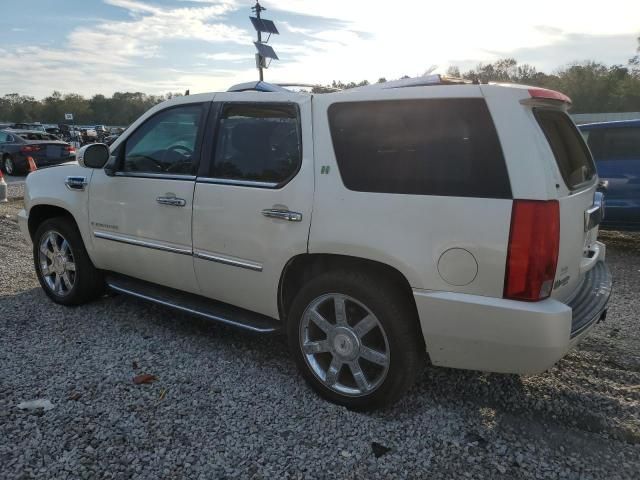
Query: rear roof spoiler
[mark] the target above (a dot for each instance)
(544, 94)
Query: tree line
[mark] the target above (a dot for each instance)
(594, 88)
(121, 108)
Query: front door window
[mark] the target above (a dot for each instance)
(165, 143)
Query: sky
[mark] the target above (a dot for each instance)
(160, 46)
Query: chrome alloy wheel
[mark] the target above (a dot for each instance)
(8, 166)
(57, 265)
(344, 344)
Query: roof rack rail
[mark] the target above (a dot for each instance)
(309, 85)
(425, 80)
(261, 86)
(257, 86)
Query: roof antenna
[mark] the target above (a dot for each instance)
(264, 51)
(186, 93)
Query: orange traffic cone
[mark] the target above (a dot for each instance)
(32, 165)
(3, 189)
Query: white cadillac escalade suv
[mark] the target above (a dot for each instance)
(374, 226)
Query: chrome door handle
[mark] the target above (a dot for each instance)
(282, 214)
(172, 201)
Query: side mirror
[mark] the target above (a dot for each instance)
(94, 155)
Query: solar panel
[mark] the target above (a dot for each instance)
(262, 25)
(265, 50)
(270, 26)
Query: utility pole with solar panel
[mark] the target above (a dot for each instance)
(264, 51)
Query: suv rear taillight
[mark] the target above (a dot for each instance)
(533, 250)
(69, 148)
(30, 149)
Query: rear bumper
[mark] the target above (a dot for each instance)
(589, 301)
(508, 336)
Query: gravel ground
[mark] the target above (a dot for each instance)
(229, 404)
(15, 190)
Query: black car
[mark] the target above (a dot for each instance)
(32, 127)
(16, 146)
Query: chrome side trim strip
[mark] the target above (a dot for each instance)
(141, 243)
(164, 176)
(242, 183)
(249, 265)
(217, 318)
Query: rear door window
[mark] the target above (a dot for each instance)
(258, 143)
(615, 143)
(569, 149)
(446, 147)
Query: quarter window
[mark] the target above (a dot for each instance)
(569, 149)
(445, 147)
(166, 143)
(258, 143)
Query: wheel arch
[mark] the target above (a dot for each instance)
(303, 267)
(40, 213)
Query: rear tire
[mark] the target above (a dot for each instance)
(368, 357)
(62, 264)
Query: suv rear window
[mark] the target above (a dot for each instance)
(571, 153)
(614, 143)
(446, 147)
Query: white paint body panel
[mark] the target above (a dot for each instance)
(464, 319)
(227, 222)
(126, 207)
(407, 232)
(47, 187)
(493, 334)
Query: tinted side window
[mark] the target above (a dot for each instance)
(443, 147)
(258, 142)
(165, 143)
(615, 143)
(571, 153)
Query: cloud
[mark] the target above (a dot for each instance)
(567, 48)
(108, 55)
(162, 45)
(225, 56)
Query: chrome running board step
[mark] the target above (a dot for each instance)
(193, 304)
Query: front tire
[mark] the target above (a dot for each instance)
(62, 264)
(355, 339)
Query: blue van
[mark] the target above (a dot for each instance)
(616, 149)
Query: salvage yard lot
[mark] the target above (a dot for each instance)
(226, 403)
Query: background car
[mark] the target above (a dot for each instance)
(37, 127)
(616, 149)
(110, 139)
(89, 135)
(16, 146)
(54, 131)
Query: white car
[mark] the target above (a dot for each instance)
(374, 226)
